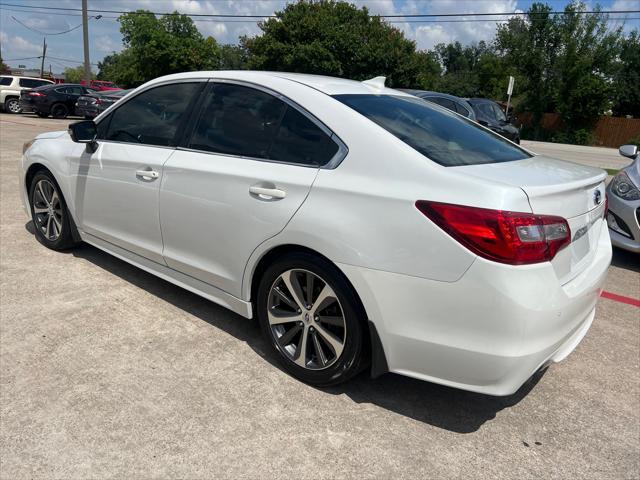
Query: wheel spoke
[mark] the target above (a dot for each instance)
(320, 355)
(58, 224)
(325, 297)
(301, 351)
(285, 298)
(285, 317)
(39, 210)
(290, 279)
(40, 191)
(289, 335)
(48, 229)
(310, 276)
(335, 344)
(331, 320)
(54, 198)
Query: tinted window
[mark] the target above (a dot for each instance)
(238, 121)
(445, 138)
(243, 121)
(485, 109)
(5, 80)
(499, 114)
(445, 102)
(299, 140)
(153, 117)
(462, 110)
(32, 83)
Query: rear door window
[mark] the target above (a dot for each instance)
(448, 139)
(246, 122)
(32, 83)
(152, 117)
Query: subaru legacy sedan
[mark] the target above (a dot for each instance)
(363, 227)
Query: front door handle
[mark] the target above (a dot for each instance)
(267, 193)
(147, 174)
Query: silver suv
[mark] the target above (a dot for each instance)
(10, 88)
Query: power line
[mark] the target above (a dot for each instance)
(425, 15)
(44, 33)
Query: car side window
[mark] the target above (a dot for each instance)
(5, 80)
(446, 103)
(499, 114)
(243, 121)
(299, 140)
(462, 110)
(153, 116)
(238, 120)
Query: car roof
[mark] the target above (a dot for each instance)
(428, 93)
(322, 83)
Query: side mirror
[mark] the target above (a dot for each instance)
(84, 132)
(629, 151)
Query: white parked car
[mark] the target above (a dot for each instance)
(362, 226)
(10, 88)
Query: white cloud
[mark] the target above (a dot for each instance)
(106, 44)
(18, 47)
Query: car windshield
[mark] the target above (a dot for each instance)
(440, 135)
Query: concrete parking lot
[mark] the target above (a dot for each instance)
(107, 371)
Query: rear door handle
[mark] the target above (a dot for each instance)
(267, 193)
(147, 174)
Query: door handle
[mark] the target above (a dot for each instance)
(267, 193)
(147, 174)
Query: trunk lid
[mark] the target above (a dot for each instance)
(556, 187)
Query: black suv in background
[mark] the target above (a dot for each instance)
(59, 101)
(489, 114)
(456, 104)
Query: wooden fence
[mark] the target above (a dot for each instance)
(608, 131)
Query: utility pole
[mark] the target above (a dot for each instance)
(85, 38)
(44, 52)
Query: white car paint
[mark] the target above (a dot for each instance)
(442, 313)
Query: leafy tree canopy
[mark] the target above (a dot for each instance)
(337, 38)
(158, 46)
(75, 74)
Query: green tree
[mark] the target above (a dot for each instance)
(337, 38)
(585, 66)
(627, 79)
(531, 45)
(158, 46)
(233, 57)
(75, 74)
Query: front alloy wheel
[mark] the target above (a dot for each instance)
(306, 319)
(47, 209)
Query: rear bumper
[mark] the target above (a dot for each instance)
(487, 332)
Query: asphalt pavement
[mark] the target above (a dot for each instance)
(107, 371)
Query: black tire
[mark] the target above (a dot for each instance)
(354, 354)
(12, 105)
(42, 114)
(517, 140)
(59, 110)
(65, 237)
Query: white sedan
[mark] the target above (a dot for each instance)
(361, 226)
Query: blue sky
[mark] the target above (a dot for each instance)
(21, 42)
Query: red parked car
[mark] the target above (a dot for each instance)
(101, 85)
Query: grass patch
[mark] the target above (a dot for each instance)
(612, 171)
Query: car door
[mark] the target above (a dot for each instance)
(247, 167)
(116, 187)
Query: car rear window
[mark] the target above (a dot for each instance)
(440, 135)
(5, 80)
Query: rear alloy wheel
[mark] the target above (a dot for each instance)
(12, 105)
(59, 111)
(49, 213)
(312, 319)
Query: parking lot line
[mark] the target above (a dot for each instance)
(620, 298)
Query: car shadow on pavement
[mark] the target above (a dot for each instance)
(626, 260)
(443, 407)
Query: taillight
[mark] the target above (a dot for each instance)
(36, 94)
(514, 238)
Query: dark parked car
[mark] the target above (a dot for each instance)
(457, 104)
(92, 105)
(59, 101)
(489, 114)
